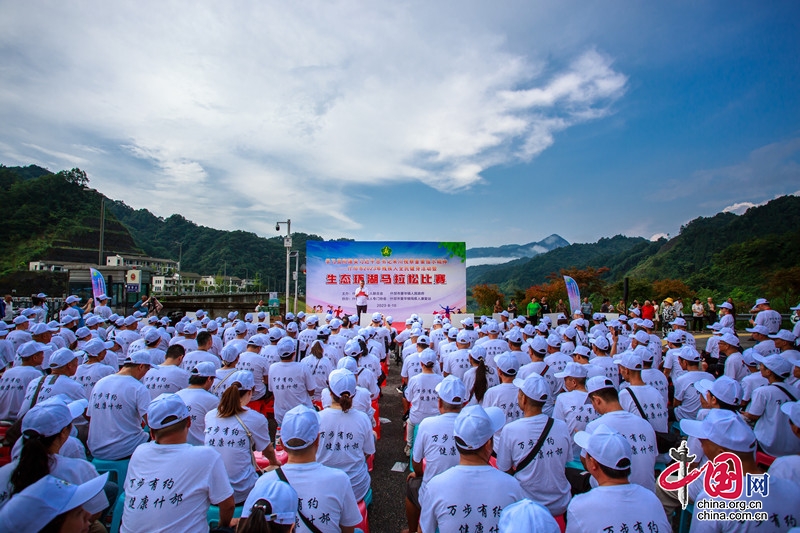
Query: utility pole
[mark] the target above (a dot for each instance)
(287, 243)
(100, 261)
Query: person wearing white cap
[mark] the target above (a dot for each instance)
(457, 362)
(457, 487)
(94, 368)
(290, 381)
(346, 437)
(536, 448)
(753, 379)
(274, 510)
(20, 334)
(726, 318)
(495, 345)
(63, 364)
(434, 446)
(447, 346)
(638, 397)
(14, 381)
(785, 341)
(167, 377)
(653, 376)
(411, 362)
(362, 399)
(504, 395)
(116, 409)
(235, 430)
(730, 357)
(308, 335)
(199, 400)
(202, 354)
(525, 516)
(672, 366)
(686, 401)
(6, 348)
(230, 357)
(571, 406)
(52, 504)
(170, 483)
(480, 377)
(771, 425)
(325, 494)
(766, 316)
(127, 333)
(320, 367)
(726, 432)
(639, 433)
(615, 503)
(788, 466)
(45, 430)
(252, 361)
(101, 309)
(420, 394)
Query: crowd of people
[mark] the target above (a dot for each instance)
(511, 425)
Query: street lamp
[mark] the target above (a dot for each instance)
(287, 243)
(296, 255)
(100, 261)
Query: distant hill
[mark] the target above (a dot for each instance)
(515, 251)
(523, 273)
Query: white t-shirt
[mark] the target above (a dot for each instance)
(651, 401)
(320, 370)
(423, 396)
(75, 471)
(362, 401)
(607, 368)
(222, 381)
(467, 498)
(494, 347)
(116, 408)
(782, 504)
(543, 480)
(290, 383)
(751, 383)
(199, 402)
(642, 438)
(656, 379)
(572, 409)
(169, 487)
(712, 346)
(259, 366)
(456, 363)
(53, 385)
(13, 384)
(229, 438)
(617, 508)
(688, 395)
(345, 439)
(435, 444)
(786, 467)
(166, 379)
(735, 367)
(770, 319)
(371, 362)
(772, 429)
(492, 379)
(672, 362)
(325, 496)
(504, 396)
(191, 359)
(88, 375)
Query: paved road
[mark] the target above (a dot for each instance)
(388, 512)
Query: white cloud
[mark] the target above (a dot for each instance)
(267, 107)
(657, 236)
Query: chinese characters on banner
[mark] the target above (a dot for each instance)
(401, 278)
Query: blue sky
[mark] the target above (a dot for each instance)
(447, 121)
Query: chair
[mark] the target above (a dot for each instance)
(562, 523)
(363, 505)
(213, 514)
(118, 468)
(764, 460)
(116, 514)
(577, 465)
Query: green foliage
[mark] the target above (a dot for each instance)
(457, 249)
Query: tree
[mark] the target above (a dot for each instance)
(783, 287)
(486, 295)
(589, 279)
(670, 288)
(75, 176)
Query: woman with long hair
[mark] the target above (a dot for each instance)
(320, 367)
(480, 377)
(45, 429)
(345, 434)
(274, 511)
(235, 430)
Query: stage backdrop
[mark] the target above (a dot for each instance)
(401, 278)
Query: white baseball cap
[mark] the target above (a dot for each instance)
(71, 299)
(792, 410)
(474, 425)
(538, 344)
(607, 446)
(689, 354)
(630, 360)
(205, 369)
(282, 498)
(30, 348)
(776, 363)
(554, 341)
(723, 388)
(730, 338)
(342, 380)
(53, 414)
(349, 363)
(244, 378)
(525, 516)
(596, 383)
(534, 387)
(452, 390)
(300, 423)
(758, 328)
(166, 410)
(680, 321)
(141, 357)
(724, 428)
(508, 363)
(573, 370)
(38, 504)
(61, 357)
(784, 335)
(601, 342)
(582, 350)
